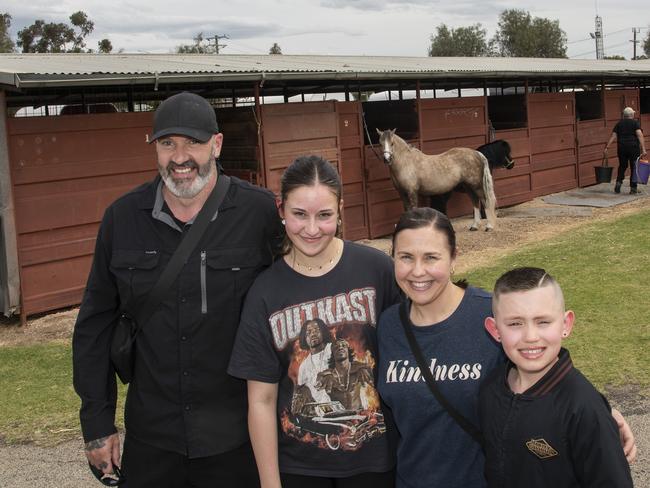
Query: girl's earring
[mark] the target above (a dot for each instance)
(284, 222)
(339, 222)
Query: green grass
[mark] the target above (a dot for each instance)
(38, 403)
(603, 269)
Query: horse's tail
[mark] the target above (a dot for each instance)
(488, 184)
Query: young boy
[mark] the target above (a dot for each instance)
(544, 424)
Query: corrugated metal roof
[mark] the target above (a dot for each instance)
(59, 69)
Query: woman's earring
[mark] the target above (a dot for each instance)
(339, 222)
(284, 222)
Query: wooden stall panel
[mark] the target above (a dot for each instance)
(452, 122)
(616, 101)
(355, 214)
(65, 171)
(551, 109)
(645, 126)
(592, 137)
(384, 204)
(240, 153)
(513, 186)
(296, 129)
(551, 122)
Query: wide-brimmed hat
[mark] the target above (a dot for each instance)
(185, 114)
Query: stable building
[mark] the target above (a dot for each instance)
(74, 127)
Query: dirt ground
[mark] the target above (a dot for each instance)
(517, 226)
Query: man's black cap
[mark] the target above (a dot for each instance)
(185, 114)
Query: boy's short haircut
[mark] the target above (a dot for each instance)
(524, 279)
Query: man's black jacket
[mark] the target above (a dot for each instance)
(181, 398)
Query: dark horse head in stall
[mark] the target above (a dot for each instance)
(497, 154)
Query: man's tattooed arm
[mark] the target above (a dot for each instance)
(96, 443)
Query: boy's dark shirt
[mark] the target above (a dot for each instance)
(181, 398)
(559, 433)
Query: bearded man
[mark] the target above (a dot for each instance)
(185, 417)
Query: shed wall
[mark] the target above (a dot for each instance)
(65, 171)
(9, 271)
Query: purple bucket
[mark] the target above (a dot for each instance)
(642, 171)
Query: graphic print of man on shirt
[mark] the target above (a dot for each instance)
(315, 338)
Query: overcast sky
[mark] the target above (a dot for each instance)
(352, 27)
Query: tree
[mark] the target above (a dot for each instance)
(275, 49)
(104, 46)
(6, 44)
(81, 21)
(615, 57)
(521, 35)
(646, 45)
(41, 37)
(200, 46)
(463, 41)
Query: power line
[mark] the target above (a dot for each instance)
(216, 39)
(607, 34)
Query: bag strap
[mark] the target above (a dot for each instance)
(465, 424)
(184, 249)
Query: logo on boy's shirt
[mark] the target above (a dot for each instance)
(354, 307)
(400, 371)
(541, 448)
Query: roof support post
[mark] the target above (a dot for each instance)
(10, 289)
(129, 99)
(261, 166)
(602, 98)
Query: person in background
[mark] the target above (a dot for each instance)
(630, 145)
(544, 423)
(323, 286)
(185, 418)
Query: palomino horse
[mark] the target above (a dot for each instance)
(415, 173)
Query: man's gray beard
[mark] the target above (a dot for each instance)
(184, 191)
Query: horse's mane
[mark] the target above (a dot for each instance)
(409, 147)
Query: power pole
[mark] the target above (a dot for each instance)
(600, 51)
(635, 31)
(216, 39)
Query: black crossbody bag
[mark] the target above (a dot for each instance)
(460, 419)
(129, 324)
